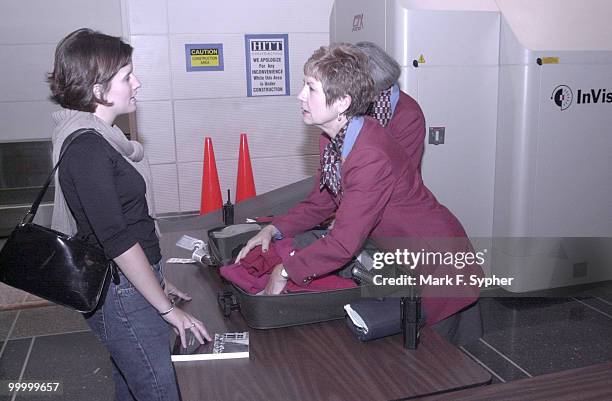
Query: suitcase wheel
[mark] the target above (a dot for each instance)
(227, 302)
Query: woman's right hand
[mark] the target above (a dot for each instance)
(263, 238)
(181, 321)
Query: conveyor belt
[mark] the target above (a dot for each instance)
(274, 202)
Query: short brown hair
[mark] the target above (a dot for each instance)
(343, 70)
(83, 59)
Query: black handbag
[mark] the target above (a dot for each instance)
(53, 265)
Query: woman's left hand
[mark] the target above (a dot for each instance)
(276, 283)
(174, 294)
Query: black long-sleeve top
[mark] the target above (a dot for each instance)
(106, 196)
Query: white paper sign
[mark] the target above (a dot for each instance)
(267, 63)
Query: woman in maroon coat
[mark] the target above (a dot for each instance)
(403, 120)
(365, 177)
(397, 112)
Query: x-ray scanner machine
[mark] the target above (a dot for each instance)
(517, 97)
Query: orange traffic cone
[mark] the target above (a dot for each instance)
(245, 186)
(211, 191)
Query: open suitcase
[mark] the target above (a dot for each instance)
(267, 312)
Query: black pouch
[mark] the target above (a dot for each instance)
(384, 317)
(52, 265)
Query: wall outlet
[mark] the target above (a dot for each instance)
(436, 135)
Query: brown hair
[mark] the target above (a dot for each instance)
(343, 70)
(83, 59)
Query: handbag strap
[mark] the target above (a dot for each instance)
(34, 208)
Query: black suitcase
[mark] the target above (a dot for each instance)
(273, 311)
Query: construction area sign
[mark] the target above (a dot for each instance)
(267, 64)
(204, 57)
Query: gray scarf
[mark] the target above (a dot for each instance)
(67, 121)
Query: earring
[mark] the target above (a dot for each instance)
(339, 116)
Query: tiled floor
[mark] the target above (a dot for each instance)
(53, 344)
(527, 337)
(523, 337)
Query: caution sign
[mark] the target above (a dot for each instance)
(267, 64)
(204, 57)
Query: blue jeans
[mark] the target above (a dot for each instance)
(138, 341)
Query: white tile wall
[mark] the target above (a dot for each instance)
(209, 84)
(273, 173)
(26, 120)
(263, 16)
(29, 33)
(148, 17)
(40, 21)
(197, 103)
(232, 81)
(273, 126)
(23, 72)
(301, 47)
(215, 103)
(156, 131)
(152, 66)
(165, 187)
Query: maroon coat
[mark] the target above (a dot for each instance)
(407, 126)
(384, 197)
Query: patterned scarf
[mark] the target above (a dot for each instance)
(331, 161)
(380, 108)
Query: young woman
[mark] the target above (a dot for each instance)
(367, 179)
(103, 195)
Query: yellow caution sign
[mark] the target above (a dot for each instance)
(421, 59)
(550, 60)
(204, 57)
